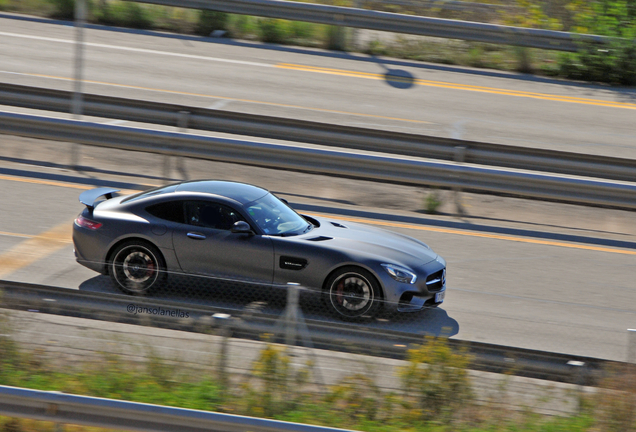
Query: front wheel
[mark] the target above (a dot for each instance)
(136, 267)
(353, 293)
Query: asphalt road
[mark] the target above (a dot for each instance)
(550, 277)
(555, 277)
(352, 89)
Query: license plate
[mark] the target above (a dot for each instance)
(439, 297)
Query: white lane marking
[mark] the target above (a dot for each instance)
(219, 104)
(139, 50)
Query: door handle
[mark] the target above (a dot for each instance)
(196, 236)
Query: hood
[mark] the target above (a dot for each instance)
(391, 246)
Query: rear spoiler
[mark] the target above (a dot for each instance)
(89, 197)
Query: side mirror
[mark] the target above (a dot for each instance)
(241, 227)
(284, 200)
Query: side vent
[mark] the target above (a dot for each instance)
(321, 238)
(336, 224)
(292, 263)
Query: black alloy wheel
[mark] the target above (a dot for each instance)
(353, 293)
(136, 267)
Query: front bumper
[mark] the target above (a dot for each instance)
(424, 293)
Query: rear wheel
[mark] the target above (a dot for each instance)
(353, 293)
(136, 267)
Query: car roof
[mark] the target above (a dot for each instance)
(239, 192)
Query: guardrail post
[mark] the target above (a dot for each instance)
(631, 346)
(294, 323)
(459, 157)
(182, 123)
(291, 313)
(76, 103)
(579, 373)
(358, 4)
(222, 321)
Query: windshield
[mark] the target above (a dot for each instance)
(274, 217)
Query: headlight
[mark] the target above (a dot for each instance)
(400, 274)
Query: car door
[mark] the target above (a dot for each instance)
(205, 245)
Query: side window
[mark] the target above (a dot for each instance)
(171, 211)
(211, 215)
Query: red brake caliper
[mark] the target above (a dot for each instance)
(340, 290)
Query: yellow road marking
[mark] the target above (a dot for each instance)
(10, 234)
(232, 99)
(379, 223)
(45, 182)
(455, 86)
(479, 234)
(64, 184)
(35, 248)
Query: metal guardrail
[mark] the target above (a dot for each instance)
(391, 22)
(334, 336)
(110, 413)
(324, 134)
(375, 167)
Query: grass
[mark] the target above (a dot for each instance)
(435, 395)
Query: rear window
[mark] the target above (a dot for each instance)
(170, 211)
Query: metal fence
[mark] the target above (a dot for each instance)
(187, 117)
(123, 415)
(375, 167)
(391, 22)
(289, 315)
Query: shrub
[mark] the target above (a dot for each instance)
(63, 9)
(615, 406)
(301, 30)
(272, 30)
(123, 14)
(614, 63)
(432, 202)
(278, 389)
(210, 21)
(435, 382)
(336, 38)
(243, 26)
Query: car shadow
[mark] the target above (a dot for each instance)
(242, 299)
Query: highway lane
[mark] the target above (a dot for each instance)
(562, 296)
(321, 86)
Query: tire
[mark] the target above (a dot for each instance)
(353, 293)
(136, 267)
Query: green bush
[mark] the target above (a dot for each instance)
(336, 38)
(436, 382)
(63, 9)
(614, 63)
(210, 21)
(301, 30)
(432, 202)
(123, 14)
(273, 30)
(243, 26)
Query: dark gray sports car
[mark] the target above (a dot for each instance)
(242, 232)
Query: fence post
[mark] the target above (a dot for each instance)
(222, 321)
(76, 103)
(579, 373)
(631, 346)
(291, 314)
(459, 157)
(182, 123)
